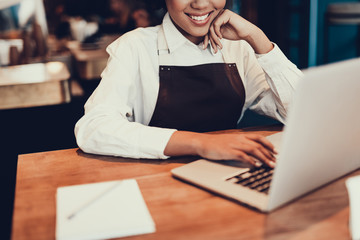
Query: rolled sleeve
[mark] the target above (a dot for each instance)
(279, 80)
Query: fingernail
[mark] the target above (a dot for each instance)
(272, 164)
(258, 164)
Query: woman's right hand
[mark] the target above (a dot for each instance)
(232, 26)
(245, 147)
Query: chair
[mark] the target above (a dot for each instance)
(344, 13)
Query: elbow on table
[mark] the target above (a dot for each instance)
(84, 146)
(82, 138)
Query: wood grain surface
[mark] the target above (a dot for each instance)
(180, 210)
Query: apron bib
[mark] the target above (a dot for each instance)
(201, 98)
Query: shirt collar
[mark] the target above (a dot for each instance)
(174, 37)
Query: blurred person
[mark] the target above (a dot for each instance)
(141, 17)
(121, 20)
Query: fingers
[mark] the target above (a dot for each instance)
(250, 148)
(254, 157)
(262, 140)
(241, 156)
(215, 38)
(207, 38)
(215, 28)
(213, 44)
(262, 155)
(214, 34)
(260, 148)
(206, 41)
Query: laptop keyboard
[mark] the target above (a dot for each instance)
(256, 178)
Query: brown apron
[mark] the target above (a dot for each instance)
(199, 98)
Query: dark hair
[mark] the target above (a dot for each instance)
(159, 4)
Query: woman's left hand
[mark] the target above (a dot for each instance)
(231, 26)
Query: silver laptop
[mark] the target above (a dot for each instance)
(320, 143)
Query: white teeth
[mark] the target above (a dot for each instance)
(199, 18)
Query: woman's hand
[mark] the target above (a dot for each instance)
(246, 147)
(231, 26)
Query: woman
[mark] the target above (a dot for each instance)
(164, 87)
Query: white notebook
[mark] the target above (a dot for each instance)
(101, 210)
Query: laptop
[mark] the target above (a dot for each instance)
(319, 144)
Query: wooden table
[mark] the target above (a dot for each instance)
(180, 210)
(91, 62)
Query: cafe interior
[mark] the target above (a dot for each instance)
(52, 53)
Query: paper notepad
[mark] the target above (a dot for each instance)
(101, 210)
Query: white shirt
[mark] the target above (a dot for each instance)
(118, 112)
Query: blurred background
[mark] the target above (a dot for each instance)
(53, 51)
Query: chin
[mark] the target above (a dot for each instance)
(200, 33)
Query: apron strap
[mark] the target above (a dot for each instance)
(163, 50)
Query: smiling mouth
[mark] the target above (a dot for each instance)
(199, 18)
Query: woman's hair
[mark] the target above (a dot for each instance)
(159, 4)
